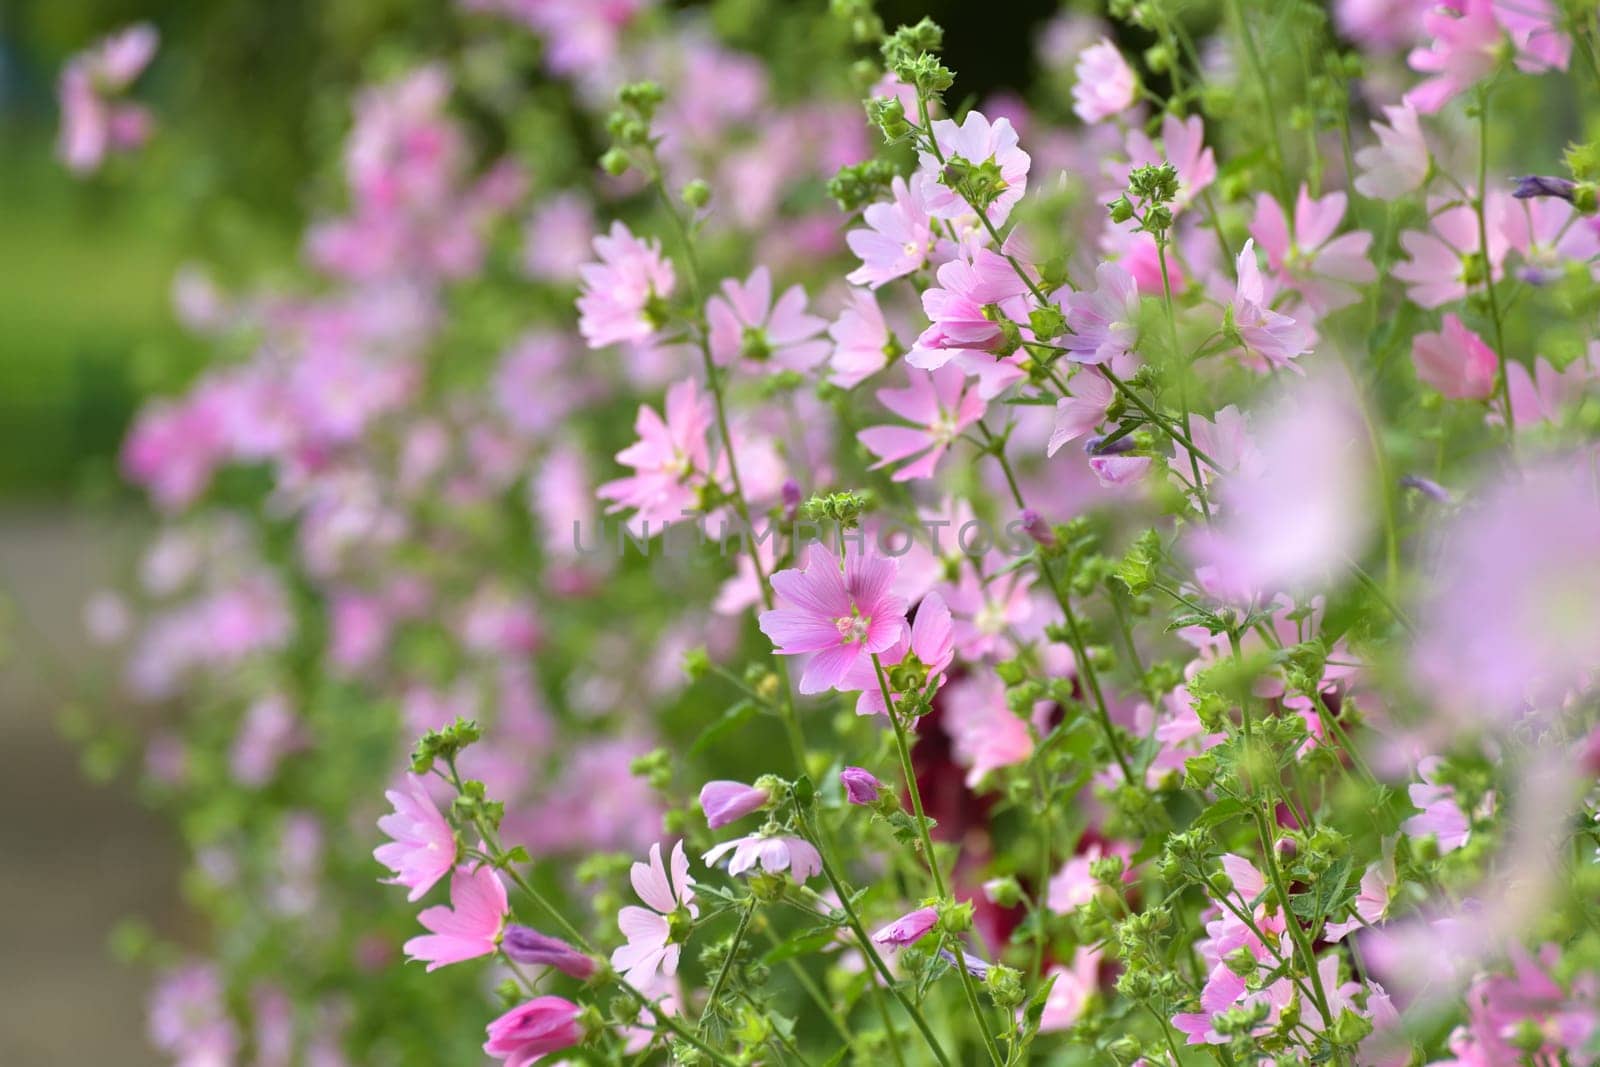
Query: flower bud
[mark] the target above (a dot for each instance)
(860, 785)
(725, 802)
(697, 194)
(527, 945)
(615, 162)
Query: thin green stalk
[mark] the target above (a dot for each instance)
(1162, 421)
(727, 965)
(1183, 376)
(1268, 98)
(1504, 382)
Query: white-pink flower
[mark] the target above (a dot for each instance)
(863, 342)
(671, 460)
(1081, 412)
(1324, 269)
(977, 141)
(834, 614)
(778, 852)
(650, 948)
(424, 847)
(1448, 260)
(1399, 162)
(1104, 320)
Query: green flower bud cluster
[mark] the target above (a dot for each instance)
(444, 744)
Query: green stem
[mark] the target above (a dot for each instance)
(727, 965)
(1504, 382)
(1183, 376)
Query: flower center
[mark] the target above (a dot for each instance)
(852, 628)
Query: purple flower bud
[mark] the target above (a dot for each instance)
(1427, 487)
(725, 801)
(1534, 185)
(908, 928)
(1104, 445)
(791, 498)
(1034, 526)
(526, 945)
(976, 967)
(860, 786)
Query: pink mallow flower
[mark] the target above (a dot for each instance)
(779, 852)
(838, 616)
(1267, 334)
(1073, 988)
(650, 948)
(956, 308)
(724, 801)
(1104, 320)
(1398, 164)
(623, 297)
(940, 405)
(746, 325)
(1455, 361)
(863, 343)
(1105, 84)
(470, 927)
(1323, 268)
(1467, 40)
(910, 928)
(95, 122)
(530, 1031)
(976, 142)
(424, 847)
(1081, 412)
(1449, 260)
(671, 460)
(930, 645)
(898, 237)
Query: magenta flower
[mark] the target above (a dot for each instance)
(1446, 262)
(861, 786)
(527, 945)
(651, 947)
(624, 295)
(1464, 46)
(863, 343)
(1105, 320)
(530, 1031)
(1274, 337)
(898, 237)
(746, 325)
(724, 801)
(779, 852)
(671, 460)
(1105, 84)
(1543, 395)
(838, 616)
(940, 405)
(976, 142)
(95, 122)
(1399, 162)
(910, 928)
(1455, 361)
(470, 927)
(956, 308)
(424, 847)
(1324, 269)
(1441, 816)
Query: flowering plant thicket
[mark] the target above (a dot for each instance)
(1109, 579)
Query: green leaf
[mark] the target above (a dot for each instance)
(1219, 813)
(1330, 893)
(726, 723)
(804, 944)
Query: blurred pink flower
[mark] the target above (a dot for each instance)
(624, 293)
(1074, 985)
(1455, 361)
(671, 460)
(1105, 84)
(1448, 260)
(558, 237)
(423, 849)
(1323, 268)
(939, 405)
(95, 122)
(1398, 164)
(1274, 337)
